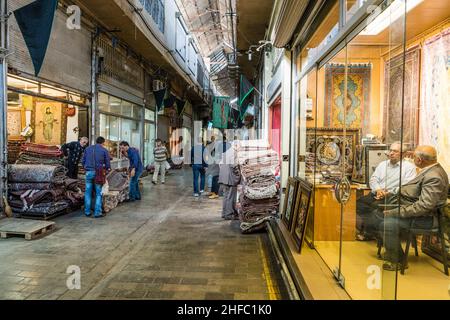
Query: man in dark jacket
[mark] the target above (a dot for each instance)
(419, 200)
(135, 170)
(199, 166)
(95, 157)
(73, 152)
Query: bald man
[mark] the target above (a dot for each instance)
(419, 200)
(73, 152)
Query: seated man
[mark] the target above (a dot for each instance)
(384, 181)
(419, 200)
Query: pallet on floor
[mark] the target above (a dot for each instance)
(46, 217)
(29, 229)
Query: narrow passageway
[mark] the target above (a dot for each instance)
(170, 245)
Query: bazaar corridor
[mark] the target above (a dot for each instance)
(170, 245)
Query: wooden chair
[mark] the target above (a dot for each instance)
(412, 238)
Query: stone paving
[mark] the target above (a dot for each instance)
(170, 245)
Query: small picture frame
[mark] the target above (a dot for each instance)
(301, 212)
(289, 202)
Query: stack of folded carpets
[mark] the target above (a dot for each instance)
(32, 153)
(259, 198)
(116, 190)
(42, 190)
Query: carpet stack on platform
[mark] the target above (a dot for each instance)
(42, 191)
(116, 190)
(32, 153)
(259, 197)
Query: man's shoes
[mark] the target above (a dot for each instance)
(154, 182)
(392, 266)
(196, 195)
(213, 196)
(363, 237)
(99, 216)
(162, 182)
(202, 191)
(88, 214)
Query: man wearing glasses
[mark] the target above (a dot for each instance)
(384, 181)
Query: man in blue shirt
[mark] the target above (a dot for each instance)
(95, 157)
(135, 170)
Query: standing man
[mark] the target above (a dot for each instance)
(95, 157)
(210, 146)
(198, 167)
(385, 181)
(73, 152)
(229, 178)
(160, 154)
(135, 169)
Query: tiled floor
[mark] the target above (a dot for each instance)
(424, 279)
(167, 246)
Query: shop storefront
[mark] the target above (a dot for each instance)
(383, 80)
(119, 121)
(122, 113)
(43, 114)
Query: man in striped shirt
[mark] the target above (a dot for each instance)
(160, 153)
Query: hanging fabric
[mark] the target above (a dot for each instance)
(35, 21)
(245, 95)
(221, 112)
(159, 98)
(169, 102)
(181, 104)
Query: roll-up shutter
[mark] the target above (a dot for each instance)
(290, 14)
(68, 58)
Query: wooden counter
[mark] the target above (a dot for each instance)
(327, 214)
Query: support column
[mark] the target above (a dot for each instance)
(3, 99)
(285, 116)
(94, 115)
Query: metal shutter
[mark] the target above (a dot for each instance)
(287, 20)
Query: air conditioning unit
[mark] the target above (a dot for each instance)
(158, 85)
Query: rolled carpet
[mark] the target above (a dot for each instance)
(44, 209)
(22, 173)
(19, 186)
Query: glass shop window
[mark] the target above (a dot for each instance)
(352, 7)
(23, 84)
(324, 35)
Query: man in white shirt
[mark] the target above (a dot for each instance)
(384, 181)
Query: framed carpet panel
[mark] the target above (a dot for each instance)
(301, 212)
(393, 88)
(289, 201)
(50, 122)
(327, 149)
(356, 106)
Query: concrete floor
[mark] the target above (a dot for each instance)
(167, 246)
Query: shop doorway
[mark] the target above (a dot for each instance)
(275, 125)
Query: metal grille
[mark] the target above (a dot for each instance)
(116, 65)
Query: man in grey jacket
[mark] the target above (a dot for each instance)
(419, 200)
(229, 178)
